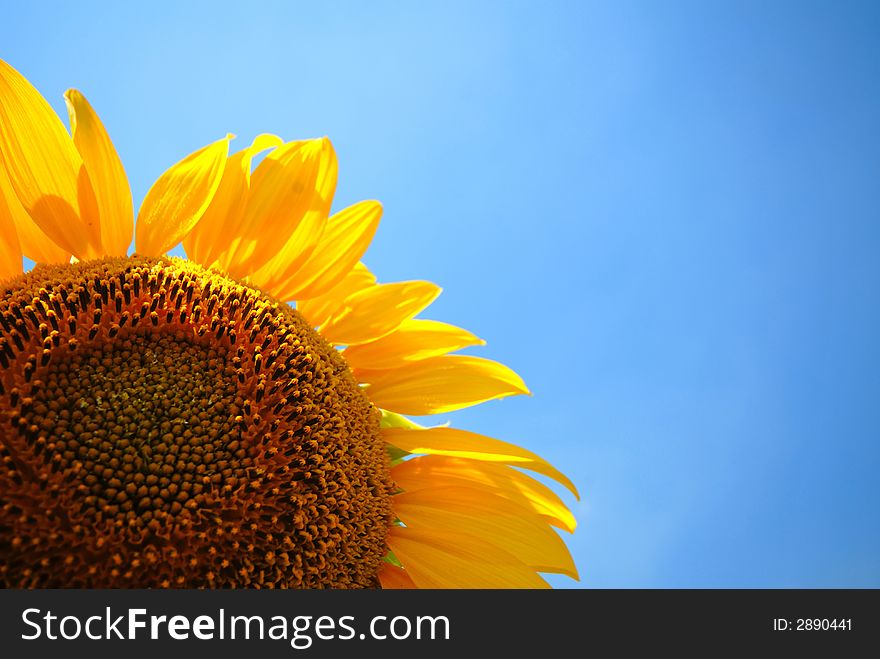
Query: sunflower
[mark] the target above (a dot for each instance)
(235, 418)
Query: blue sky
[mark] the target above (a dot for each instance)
(665, 216)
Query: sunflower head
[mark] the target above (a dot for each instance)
(178, 422)
(206, 435)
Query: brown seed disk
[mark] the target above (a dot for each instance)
(164, 426)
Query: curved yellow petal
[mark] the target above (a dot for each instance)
(179, 198)
(394, 578)
(288, 203)
(10, 251)
(457, 443)
(106, 173)
(379, 310)
(318, 310)
(447, 559)
(45, 170)
(491, 518)
(35, 244)
(428, 471)
(414, 340)
(441, 384)
(212, 236)
(346, 237)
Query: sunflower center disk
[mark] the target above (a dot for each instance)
(161, 425)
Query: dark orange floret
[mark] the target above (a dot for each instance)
(164, 426)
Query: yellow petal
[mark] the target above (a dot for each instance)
(346, 237)
(457, 443)
(318, 310)
(212, 236)
(289, 200)
(179, 198)
(412, 341)
(45, 170)
(379, 310)
(393, 578)
(394, 420)
(439, 471)
(35, 244)
(105, 172)
(441, 384)
(446, 559)
(491, 518)
(10, 251)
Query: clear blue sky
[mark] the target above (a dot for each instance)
(664, 215)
